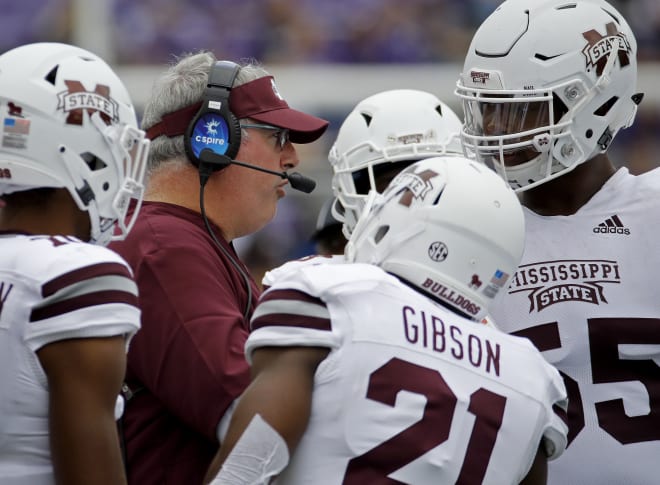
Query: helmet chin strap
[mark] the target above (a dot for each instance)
(350, 250)
(97, 235)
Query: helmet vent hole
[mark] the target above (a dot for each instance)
(589, 133)
(51, 77)
(367, 118)
(106, 186)
(543, 57)
(616, 19)
(380, 233)
(568, 5)
(606, 106)
(93, 162)
(438, 109)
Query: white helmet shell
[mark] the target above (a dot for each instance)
(550, 79)
(401, 125)
(68, 122)
(450, 227)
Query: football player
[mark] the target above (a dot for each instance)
(546, 86)
(72, 162)
(380, 362)
(382, 135)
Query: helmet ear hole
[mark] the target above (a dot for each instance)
(381, 233)
(559, 107)
(93, 162)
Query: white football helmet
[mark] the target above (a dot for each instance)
(401, 125)
(68, 122)
(451, 228)
(546, 85)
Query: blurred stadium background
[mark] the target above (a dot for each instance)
(326, 55)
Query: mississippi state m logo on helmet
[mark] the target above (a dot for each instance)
(599, 47)
(411, 185)
(77, 99)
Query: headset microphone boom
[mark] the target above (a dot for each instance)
(297, 180)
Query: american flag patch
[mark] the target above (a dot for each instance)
(499, 278)
(16, 126)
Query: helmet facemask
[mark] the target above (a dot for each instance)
(514, 133)
(384, 134)
(78, 131)
(582, 80)
(112, 209)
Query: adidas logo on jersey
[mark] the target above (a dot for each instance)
(612, 225)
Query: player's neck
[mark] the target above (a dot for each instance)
(60, 216)
(565, 195)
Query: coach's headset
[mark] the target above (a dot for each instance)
(213, 136)
(211, 141)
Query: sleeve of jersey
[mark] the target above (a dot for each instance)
(291, 267)
(290, 317)
(555, 436)
(89, 292)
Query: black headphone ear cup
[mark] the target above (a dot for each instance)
(213, 136)
(234, 127)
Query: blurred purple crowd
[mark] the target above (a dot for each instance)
(289, 31)
(152, 32)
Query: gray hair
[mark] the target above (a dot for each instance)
(183, 85)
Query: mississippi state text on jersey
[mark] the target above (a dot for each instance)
(586, 294)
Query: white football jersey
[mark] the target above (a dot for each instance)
(51, 288)
(410, 390)
(271, 276)
(586, 295)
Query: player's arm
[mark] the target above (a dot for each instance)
(538, 474)
(84, 380)
(271, 415)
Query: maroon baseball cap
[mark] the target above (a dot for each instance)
(259, 100)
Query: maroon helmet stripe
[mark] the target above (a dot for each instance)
(83, 301)
(81, 274)
(291, 320)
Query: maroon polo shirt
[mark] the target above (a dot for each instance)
(186, 362)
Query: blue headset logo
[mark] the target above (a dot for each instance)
(210, 131)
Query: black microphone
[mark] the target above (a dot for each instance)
(297, 180)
